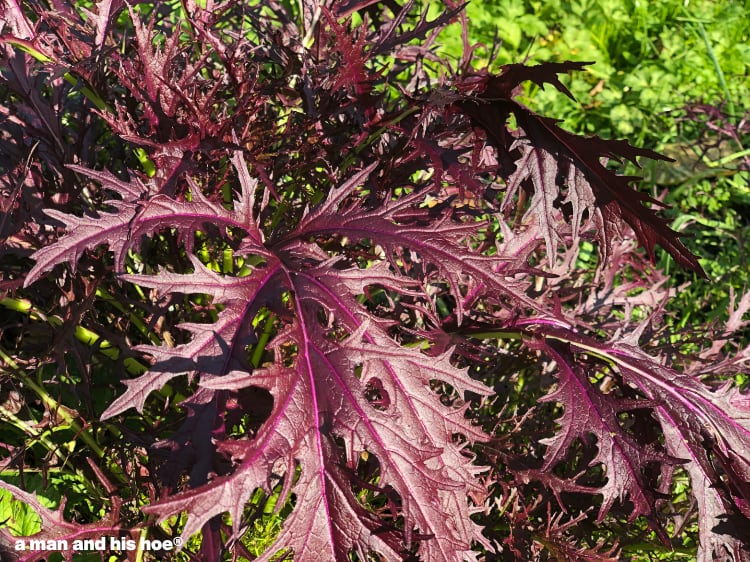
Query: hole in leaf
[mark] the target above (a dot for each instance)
(376, 395)
(247, 410)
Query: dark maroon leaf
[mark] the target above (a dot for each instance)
(558, 165)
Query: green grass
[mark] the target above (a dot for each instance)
(651, 57)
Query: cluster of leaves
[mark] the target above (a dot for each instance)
(672, 78)
(339, 258)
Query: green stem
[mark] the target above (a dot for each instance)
(729, 158)
(52, 404)
(89, 93)
(137, 322)
(82, 334)
(61, 411)
(139, 552)
(29, 428)
(497, 335)
(517, 335)
(260, 347)
(608, 358)
(16, 473)
(717, 67)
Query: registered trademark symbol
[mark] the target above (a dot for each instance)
(177, 541)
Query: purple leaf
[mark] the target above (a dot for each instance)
(322, 395)
(558, 164)
(588, 411)
(106, 11)
(705, 430)
(123, 230)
